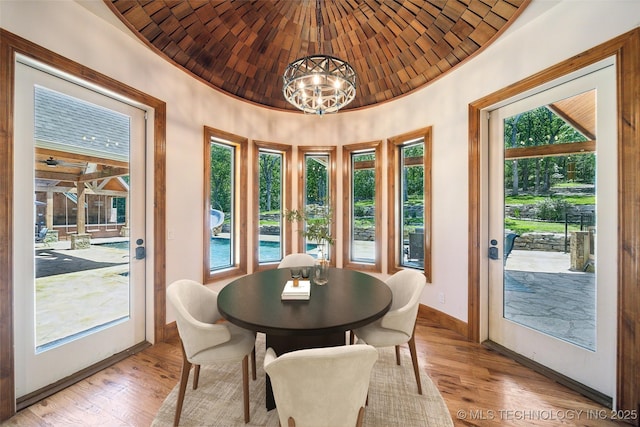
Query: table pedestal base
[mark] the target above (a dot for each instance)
(286, 343)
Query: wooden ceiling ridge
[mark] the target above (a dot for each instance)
(242, 48)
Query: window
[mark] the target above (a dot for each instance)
(225, 239)
(272, 195)
(316, 189)
(410, 201)
(361, 220)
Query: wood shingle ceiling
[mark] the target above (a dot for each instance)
(243, 47)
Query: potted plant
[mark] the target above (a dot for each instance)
(315, 221)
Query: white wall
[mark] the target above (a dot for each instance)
(546, 33)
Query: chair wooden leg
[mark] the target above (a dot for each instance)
(245, 387)
(196, 376)
(253, 362)
(398, 355)
(184, 378)
(414, 359)
(351, 337)
(360, 417)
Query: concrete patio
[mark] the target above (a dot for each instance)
(77, 290)
(540, 292)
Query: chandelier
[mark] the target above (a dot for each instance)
(319, 84)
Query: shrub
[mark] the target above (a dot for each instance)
(551, 209)
(359, 211)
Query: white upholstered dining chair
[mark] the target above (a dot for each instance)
(297, 260)
(205, 340)
(397, 326)
(321, 387)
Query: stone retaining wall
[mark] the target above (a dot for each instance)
(530, 212)
(363, 234)
(550, 242)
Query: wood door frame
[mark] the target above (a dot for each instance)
(626, 49)
(10, 46)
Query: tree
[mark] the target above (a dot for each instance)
(221, 177)
(539, 126)
(317, 191)
(364, 180)
(413, 174)
(270, 165)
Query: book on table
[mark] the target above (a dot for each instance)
(300, 292)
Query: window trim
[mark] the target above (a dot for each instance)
(331, 151)
(347, 151)
(240, 215)
(285, 151)
(393, 156)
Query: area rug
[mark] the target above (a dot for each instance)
(393, 397)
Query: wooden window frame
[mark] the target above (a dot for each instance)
(285, 234)
(395, 144)
(239, 233)
(331, 151)
(347, 214)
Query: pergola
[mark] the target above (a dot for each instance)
(81, 150)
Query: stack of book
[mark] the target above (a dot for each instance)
(300, 292)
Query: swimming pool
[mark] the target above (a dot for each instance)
(117, 245)
(220, 253)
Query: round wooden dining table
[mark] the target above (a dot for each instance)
(350, 299)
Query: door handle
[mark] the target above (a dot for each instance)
(493, 250)
(140, 250)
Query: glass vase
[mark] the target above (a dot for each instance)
(321, 269)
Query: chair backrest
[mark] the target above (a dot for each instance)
(321, 386)
(297, 260)
(43, 232)
(406, 288)
(196, 309)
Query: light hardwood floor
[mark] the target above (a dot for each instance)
(480, 387)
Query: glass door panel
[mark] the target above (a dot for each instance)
(78, 201)
(552, 280)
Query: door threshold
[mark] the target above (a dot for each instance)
(572, 384)
(44, 392)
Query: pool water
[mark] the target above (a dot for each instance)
(220, 253)
(117, 245)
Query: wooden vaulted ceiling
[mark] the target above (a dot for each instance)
(243, 47)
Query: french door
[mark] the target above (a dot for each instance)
(553, 227)
(79, 191)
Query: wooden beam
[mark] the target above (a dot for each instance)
(567, 118)
(56, 176)
(550, 150)
(56, 154)
(105, 173)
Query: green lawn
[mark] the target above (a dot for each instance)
(520, 226)
(529, 199)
